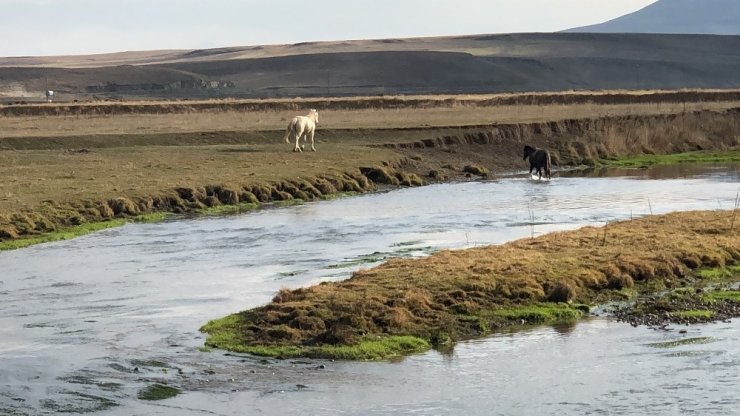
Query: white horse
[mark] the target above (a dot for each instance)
(302, 126)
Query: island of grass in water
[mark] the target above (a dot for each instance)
(406, 306)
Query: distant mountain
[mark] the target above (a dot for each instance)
(712, 17)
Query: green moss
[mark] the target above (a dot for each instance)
(690, 157)
(379, 348)
(158, 392)
(153, 217)
(66, 233)
(680, 342)
(541, 313)
(225, 333)
(695, 313)
(722, 296)
(718, 273)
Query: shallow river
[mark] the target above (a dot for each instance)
(86, 324)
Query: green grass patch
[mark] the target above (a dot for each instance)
(722, 296)
(369, 349)
(158, 392)
(680, 342)
(465, 294)
(153, 217)
(689, 157)
(338, 195)
(541, 313)
(68, 233)
(718, 273)
(695, 314)
(224, 333)
(379, 348)
(62, 234)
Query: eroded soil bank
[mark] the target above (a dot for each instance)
(371, 102)
(404, 306)
(458, 153)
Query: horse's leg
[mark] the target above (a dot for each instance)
(288, 131)
(298, 134)
(312, 148)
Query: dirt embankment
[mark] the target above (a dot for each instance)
(363, 103)
(573, 142)
(472, 150)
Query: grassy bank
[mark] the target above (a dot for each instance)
(647, 160)
(69, 232)
(454, 295)
(68, 172)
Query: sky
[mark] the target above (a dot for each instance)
(65, 27)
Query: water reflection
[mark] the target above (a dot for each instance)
(565, 328)
(725, 172)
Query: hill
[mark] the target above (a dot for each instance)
(717, 17)
(467, 64)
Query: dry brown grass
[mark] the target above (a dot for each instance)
(445, 292)
(213, 121)
(30, 177)
(72, 172)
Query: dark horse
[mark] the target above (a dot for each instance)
(538, 158)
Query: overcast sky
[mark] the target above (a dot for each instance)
(62, 27)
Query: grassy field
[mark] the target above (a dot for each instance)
(672, 159)
(453, 295)
(31, 177)
(63, 171)
(334, 119)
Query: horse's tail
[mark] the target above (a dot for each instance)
(290, 128)
(548, 165)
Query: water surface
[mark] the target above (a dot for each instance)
(85, 324)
